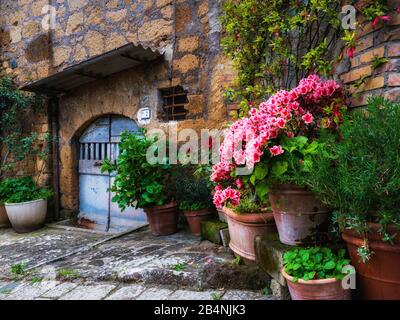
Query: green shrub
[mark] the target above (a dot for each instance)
(18, 190)
(247, 205)
(193, 188)
(315, 263)
(361, 177)
(139, 183)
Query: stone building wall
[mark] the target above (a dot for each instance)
(381, 41)
(187, 32)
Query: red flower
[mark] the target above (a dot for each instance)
(397, 10)
(350, 52)
(276, 150)
(377, 19)
(239, 183)
(308, 118)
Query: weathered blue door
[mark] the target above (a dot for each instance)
(99, 142)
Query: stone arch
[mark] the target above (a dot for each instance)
(69, 159)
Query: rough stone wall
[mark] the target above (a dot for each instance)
(381, 41)
(186, 31)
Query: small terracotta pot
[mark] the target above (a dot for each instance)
(243, 229)
(27, 216)
(298, 214)
(194, 219)
(163, 220)
(324, 289)
(379, 278)
(4, 221)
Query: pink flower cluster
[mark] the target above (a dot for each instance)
(221, 196)
(287, 112)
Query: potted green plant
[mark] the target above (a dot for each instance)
(25, 203)
(363, 184)
(316, 274)
(16, 142)
(142, 184)
(194, 196)
(276, 143)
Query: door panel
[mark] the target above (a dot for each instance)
(99, 142)
(94, 200)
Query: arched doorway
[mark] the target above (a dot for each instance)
(100, 141)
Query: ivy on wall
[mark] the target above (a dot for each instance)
(17, 142)
(275, 43)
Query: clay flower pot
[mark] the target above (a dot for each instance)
(324, 289)
(27, 216)
(378, 278)
(194, 219)
(243, 229)
(4, 222)
(298, 214)
(163, 220)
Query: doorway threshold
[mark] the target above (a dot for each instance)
(71, 225)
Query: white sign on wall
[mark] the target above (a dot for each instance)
(144, 115)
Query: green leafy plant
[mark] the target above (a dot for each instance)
(217, 296)
(248, 205)
(179, 267)
(139, 183)
(23, 189)
(378, 61)
(17, 142)
(315, 263)
(275, 43)
(68, 273)
(19, 269)
(193, 187)
(363, 182)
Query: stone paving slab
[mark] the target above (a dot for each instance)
(130, 292)
(90, 292)
(33, 248)
(54, 290)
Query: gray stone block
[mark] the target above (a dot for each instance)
(225, 237)
(269, 255)
(279, 292)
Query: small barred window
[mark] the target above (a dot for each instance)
(173, 103)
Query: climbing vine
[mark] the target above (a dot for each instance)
(16, 141)
(275, 43)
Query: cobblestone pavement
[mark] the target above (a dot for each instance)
(71, 265)
(56, 290)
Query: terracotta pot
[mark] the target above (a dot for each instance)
(298, 214)
(379, 278)
(27, 216)
(163, 220)
(243, 229)
(324, 289)
(194, 219)
(4, 222)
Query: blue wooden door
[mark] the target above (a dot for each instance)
(99, 142)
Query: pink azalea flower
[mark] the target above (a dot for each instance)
(276, 150)
(308, 118)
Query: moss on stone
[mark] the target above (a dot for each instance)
(210, 230)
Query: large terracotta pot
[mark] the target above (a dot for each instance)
(163, 220)
(379, 278)
(194, 219)
(324, 289)
(4, 221)
(298, 214)
(243, 229)
(27, 216)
